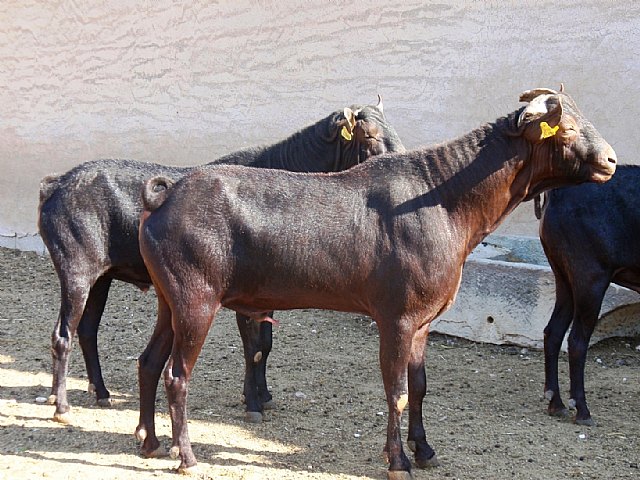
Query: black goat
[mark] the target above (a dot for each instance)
(588, 233)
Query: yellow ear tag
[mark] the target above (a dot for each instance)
(547, 131)
(346, 134)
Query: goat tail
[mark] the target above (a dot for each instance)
(155, 191)
(47, 186)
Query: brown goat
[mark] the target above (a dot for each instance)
(88, 219)
(387, 238)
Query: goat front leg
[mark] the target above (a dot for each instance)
(587, 309)
(554, 334)
(395, 347)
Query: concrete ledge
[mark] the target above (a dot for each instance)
(511, 301)
(26, 242)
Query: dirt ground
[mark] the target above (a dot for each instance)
(484, 411)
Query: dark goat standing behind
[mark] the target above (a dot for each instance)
(589, 235)
(387, 238)
(89, 216)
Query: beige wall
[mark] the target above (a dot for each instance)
(183, 84)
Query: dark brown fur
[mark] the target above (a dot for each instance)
(387, 238)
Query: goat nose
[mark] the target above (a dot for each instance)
(610, 154)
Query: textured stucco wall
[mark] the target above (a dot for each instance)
(160, 81)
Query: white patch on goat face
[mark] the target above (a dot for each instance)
(536, 108)
(257, 357)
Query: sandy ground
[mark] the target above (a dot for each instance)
(484, 411)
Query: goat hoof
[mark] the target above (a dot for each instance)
(399, 475)
(586, 422)
(159, 452)
(141, 434)
(429, 462)
(91, 389)
(270, 405)
(548, 395)
(104, 402)
(51, 399)
(253, 417)
(559, 412)
(188, 470)
(174, 453)
(64, 418)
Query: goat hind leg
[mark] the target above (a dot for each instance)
(264, 346)
(73, 299)
(253, 357)
(188, 340)
(88, 339)
(150, 365)
(425, 456)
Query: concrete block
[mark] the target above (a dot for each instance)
(506, 299)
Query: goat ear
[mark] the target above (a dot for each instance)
(350, 117)
(537, 106)
(535, 109)
(348, 123)
(379, 106)
(529, 95)
(545, 126)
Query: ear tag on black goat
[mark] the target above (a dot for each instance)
(346, 134)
